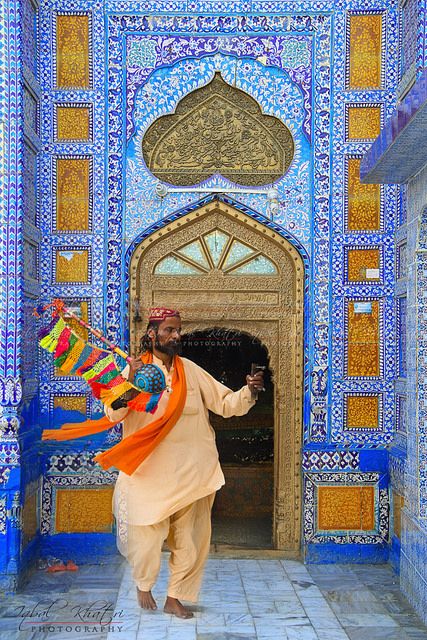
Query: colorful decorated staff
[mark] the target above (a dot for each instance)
(74, 356)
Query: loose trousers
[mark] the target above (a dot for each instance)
(188, 534)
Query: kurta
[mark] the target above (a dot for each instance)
(184, 466)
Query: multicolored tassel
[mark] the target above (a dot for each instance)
(50, 341)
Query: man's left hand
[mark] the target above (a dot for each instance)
(256, 382)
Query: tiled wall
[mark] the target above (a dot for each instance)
(414, 514)
(329, 71)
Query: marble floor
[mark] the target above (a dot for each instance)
(242, 599)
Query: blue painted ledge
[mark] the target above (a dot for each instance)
(399, 152)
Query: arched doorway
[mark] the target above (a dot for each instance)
(242, 514)
(223, 269)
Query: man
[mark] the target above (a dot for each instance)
(170, 495)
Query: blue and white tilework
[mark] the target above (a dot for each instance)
(291, 58)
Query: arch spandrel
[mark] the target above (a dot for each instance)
(270, 308)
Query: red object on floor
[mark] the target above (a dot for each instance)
(71, 566)
(56, 567)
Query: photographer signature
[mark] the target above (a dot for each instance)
(100, 611)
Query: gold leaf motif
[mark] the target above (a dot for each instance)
(363, 356)
(70, 403)
(72, 51)
(72, 266)
(364, 200)
(83, 510)
(364, 123)
(362, 412)
(359, 260)
(72, 123)
(72, 194)
(345, 508)
(365, 51)
(218, 129)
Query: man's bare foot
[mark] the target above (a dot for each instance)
(173, 606)
(146, 600)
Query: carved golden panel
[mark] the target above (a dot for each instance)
(363, 348)
(345, 508)
(83, 312)
(72, 123)
(365, 51)
(363, 200)
(29, 519)
(398, 504)
(72, 265)
(83, 510)
(70, 403)
(364, 123)
(362, 412)
(218, 129)
(359, 260)
(72, 51)
(72, 194)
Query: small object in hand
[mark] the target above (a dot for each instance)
(256, 368)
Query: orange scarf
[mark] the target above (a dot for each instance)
(128, 454)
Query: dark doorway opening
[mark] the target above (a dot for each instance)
(243, 511)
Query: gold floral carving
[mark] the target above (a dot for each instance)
(363, 356)
(364, 123)
(72, 51)
(345, 508)
(365, 51)
(218, 129)
(359, 260)
(72, 194)
(70, 403)
(398, 504)
(29, 519)
(272, 313)
(83, 510)
(72, 123)
(364, 200)
(72, 266)
(362, 412)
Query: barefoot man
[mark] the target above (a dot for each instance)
(170, 495)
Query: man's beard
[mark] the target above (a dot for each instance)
(170, 349)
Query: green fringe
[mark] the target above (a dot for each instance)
(98, 367)
(50, 341)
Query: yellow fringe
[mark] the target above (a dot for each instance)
(109, 395)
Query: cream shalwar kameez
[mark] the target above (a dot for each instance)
(170, 495)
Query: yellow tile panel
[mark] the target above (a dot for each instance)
(398, 504)
(72, 51)
(344, 508)
(83, 510)
(363, 349)
(72, 194)
(72, 265)
(70, 403)
(359, 260)
(365, 48)
(362, 412)
(363, 122)
(29, 519)
(84, 315)
(72, 123)
(363, 200)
